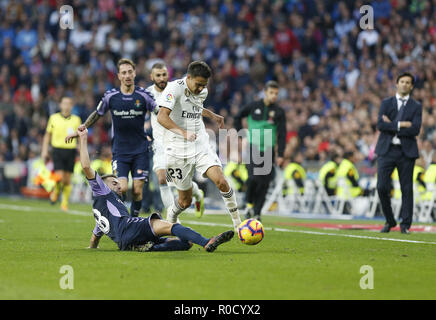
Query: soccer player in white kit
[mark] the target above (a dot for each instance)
(159, 76)
(186, 141)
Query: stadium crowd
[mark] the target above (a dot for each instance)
(332, 74)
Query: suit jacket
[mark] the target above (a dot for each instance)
(412, 112)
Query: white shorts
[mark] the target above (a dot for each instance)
(181, 170)
(159, 157)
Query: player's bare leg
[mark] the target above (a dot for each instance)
(66, 189)
(216, 174)
(168, 198)
(135, 208)
(124, 187)
(136, 194)
(54, 195)
(124, 184)
(183, 201)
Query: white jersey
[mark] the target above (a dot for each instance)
(158, 130)
(186, 109)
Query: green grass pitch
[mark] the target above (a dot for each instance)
(291, 262)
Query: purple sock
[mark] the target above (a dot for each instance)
(187, 234)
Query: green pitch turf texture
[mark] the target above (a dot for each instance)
(37, 239)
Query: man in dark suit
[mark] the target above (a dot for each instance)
(399, 122)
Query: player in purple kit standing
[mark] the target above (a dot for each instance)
(128, 105)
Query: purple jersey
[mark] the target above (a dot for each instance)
(108, 209)
(128, 116)
(112, 218)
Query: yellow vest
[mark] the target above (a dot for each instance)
(102, 166)
(430, 180)
(232, 170)
(430, 174)
(78, 174)
(345, 168)
(329, 167)
(299, 171)
(396, 184)
(416, 171)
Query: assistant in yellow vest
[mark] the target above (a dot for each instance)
(238, 174)
(327, 174)
(78, 176)
(295, 172)
(430, 179)
(418, 180)
(63, 155)
(348, 174)
(103, 164)
(396, 190)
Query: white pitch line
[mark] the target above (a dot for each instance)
(353, 236)
(212, 224)
(55, 210)
(315, 233)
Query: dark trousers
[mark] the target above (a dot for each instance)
(258, 184)
(395, 158)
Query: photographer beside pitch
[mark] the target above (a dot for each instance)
(134, 233)
(399, 122)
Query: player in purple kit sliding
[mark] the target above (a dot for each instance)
(128, 106)
(134, 233)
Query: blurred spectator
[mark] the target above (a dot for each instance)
(285, 42)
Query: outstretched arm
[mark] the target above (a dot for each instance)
(90, 174)
(93, 117)
(93, 243)
(84, 155)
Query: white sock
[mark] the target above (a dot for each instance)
(232, 207)
(173, 212)
(196, 193)
(166, 195)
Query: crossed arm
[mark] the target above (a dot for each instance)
(401, 128)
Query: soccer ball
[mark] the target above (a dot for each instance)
(250, 231)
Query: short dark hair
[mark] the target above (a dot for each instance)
(271, 84)
(348, 154)
(199, 69)
(110, 175)
(125, 61)
(406, 74)
(158, 65)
